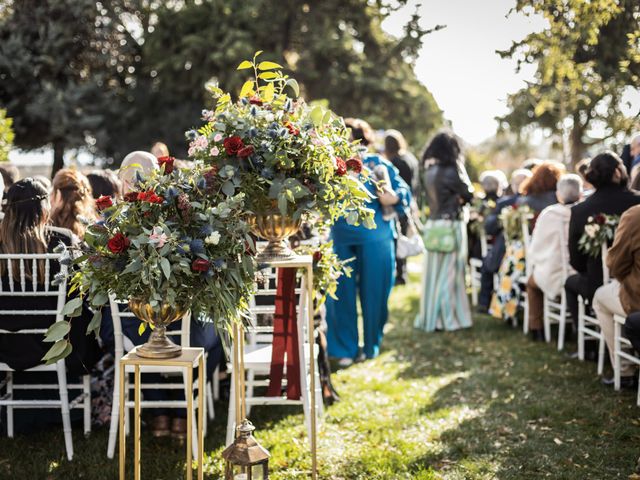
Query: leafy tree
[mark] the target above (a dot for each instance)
(585, 60)
(62, 68)
(6, 136)
(336, 49)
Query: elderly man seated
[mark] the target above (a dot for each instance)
(548, 252)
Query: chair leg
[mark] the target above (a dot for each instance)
(616, 355)
(86, 404)
(546, 322)
(10, 408)
(601, 352)
(64, 407)
(211, 413)
(581, 333)
(251, 377)
(562, 326)
(215, 381)
(194, 433)
(231, 415)
(115, 413)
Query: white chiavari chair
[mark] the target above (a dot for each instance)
(39, 287)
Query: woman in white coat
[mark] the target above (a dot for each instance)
(548, 251)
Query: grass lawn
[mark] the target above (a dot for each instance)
(478, 404)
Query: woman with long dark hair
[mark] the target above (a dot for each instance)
(444, 303)
(24, 229)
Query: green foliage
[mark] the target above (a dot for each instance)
(283, 155)
(6, 135)
(585, 59)
(64, 65)
(177, 240)
(336, 49)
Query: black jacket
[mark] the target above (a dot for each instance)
(23, 351)
(448, 188)
(610, 200)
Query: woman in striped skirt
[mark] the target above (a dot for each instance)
(444, 304)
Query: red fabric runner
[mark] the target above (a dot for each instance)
(285, 338)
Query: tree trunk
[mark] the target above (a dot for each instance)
(58, 157)
(576, 144)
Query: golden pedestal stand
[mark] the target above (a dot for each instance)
(189, 358)
(298, 261)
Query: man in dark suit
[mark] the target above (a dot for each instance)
(612, 196)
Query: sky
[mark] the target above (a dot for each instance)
(459, 65)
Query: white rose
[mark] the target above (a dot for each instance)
(213, 239)
(590, 231)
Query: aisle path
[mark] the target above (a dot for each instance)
(480, 404)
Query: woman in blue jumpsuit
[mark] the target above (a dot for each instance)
(373, 254)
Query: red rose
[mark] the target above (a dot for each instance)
(131, 196)
(104, 202)
(341, 167)
(292, 129)
(317, 256)
(150, 196)
(200, 265)
(354, 164)
(255, 100)
(233, 145)
(118, 243)
(167, 162)
(600, 219)
(246, 151)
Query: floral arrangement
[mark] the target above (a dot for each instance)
(176, 239)
(598, 231)
(285, 155)
(511, 220)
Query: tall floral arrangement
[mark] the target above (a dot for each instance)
(177, 239)
(285, 155)
(598, 231)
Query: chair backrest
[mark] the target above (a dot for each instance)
(125, 344)
(35, 286)
(526, 239)
(262, 305)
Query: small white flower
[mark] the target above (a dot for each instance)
(213, 238)
(590, 230)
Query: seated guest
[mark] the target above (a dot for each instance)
(24, 230)
(622, 295)
(491, 263)
(493, 183)
(10, 175)
(104, 183)
(609, 177)
(548, 253)
(71, 200)
(159, 150)
(135, 164)
(539, 191)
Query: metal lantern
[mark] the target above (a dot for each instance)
(245, 458)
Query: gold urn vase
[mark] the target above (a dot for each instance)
(158, 345)
(276, 229)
